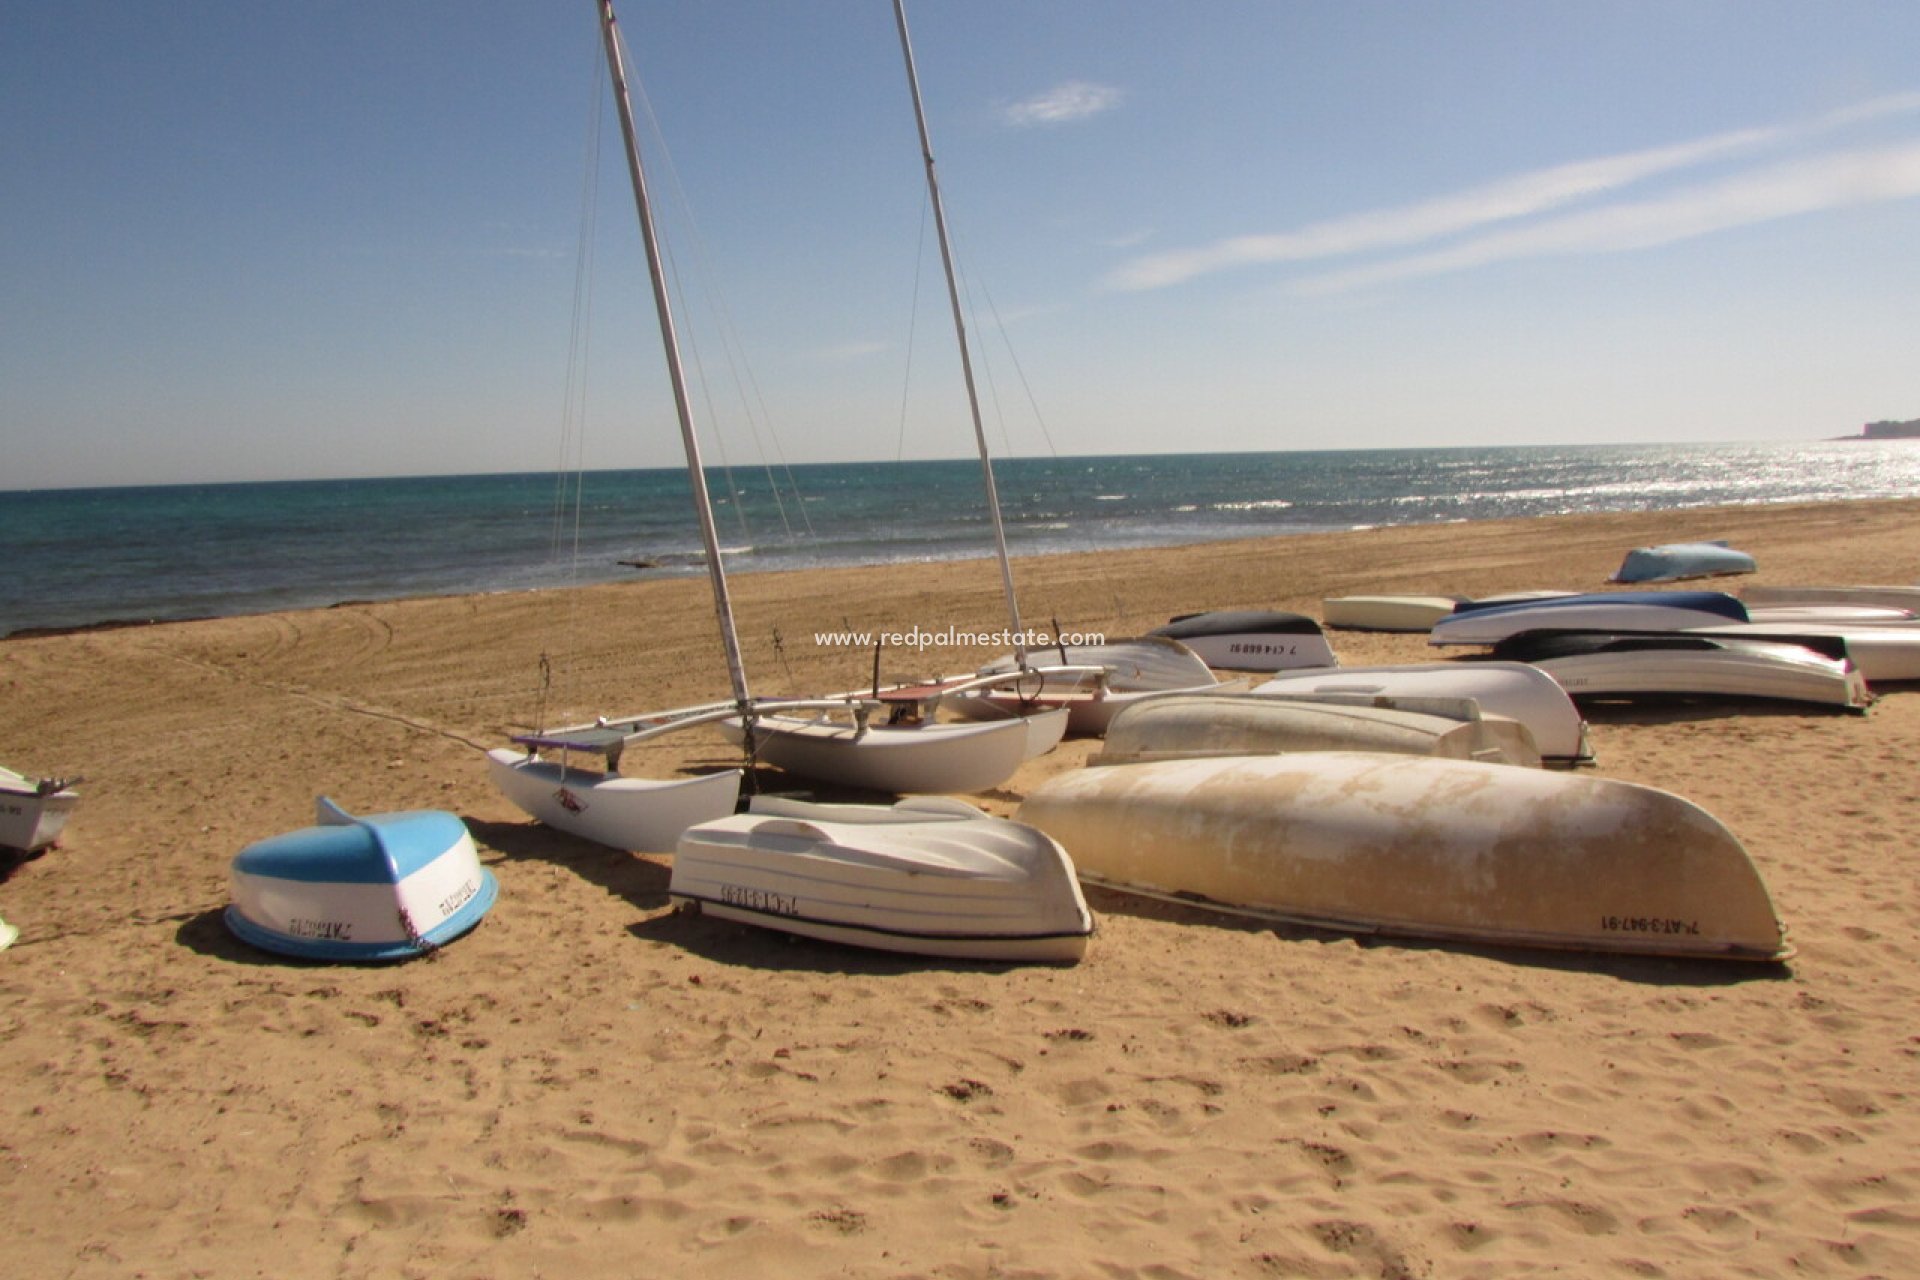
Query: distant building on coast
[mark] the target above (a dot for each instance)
(1909, 430)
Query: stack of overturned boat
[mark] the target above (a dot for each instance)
(1631, 643)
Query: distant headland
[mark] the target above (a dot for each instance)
(1909, 430)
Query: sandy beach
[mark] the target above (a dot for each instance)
(591, 1085)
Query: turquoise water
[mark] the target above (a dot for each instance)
(78, 557)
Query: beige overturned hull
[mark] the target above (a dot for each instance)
(1185, 726)
(1420, 847)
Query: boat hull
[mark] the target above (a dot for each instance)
(1675, 561)
(1405, 845)
(1237, 640)
(640, 815)
(938, 757)
(1175, 726)
(944, 881)
(384, 887)
(1386, 613)
(1693, 664)
(1511, 689)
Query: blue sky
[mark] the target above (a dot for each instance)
(248, 241)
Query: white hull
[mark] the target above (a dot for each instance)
(1386, 613)
(1624, 611)
(1420, 847)
(929, 758)
(1510, 689)
(1692, 664)
(640, 815)
(920, 878)
(1883, 655)
(1175, 726)
(31, 818)
(1881, 597)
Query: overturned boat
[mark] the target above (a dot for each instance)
(1386, 613)
(1251, 640)
(1188, 726)
(383, 887)
(1490, 622)
(1675, 561)
(1419, 847)
(1599, 664)
(1510, 689)
(927, 876)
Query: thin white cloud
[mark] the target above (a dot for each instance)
(1510, 199)
(1062, 104)
(1785, 190)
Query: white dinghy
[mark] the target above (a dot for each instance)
(1884, 653)
(929, 877)
(34, 811)
(1187, 726)
(1598, 664)
(1513, 690)
(1251, 639)
(1419, 847)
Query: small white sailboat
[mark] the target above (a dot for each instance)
(383, 887)
(929, 877)
(1513, 690)
(1251, 639)
(1187, 726)
(1419, 847)
(1599, 664)
(34, 811)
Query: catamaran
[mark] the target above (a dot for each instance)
(884, 739)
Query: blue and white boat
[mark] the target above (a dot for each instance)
(384, 887)
(1677, 560)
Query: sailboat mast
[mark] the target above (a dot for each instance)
(960, 331)
(696, 472)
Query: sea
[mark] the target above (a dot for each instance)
(85, 557)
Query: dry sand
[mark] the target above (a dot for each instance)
(591, 1085)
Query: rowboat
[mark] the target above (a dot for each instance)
(1419, 847)
(1674, 561)
(1251, 640)
(1386, 613)
(927, 876)
(383, 887)
(1598, 664)
(1188, 726)
(1493, 621)
(1510, 689)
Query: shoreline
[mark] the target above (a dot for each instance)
(589, 1077)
